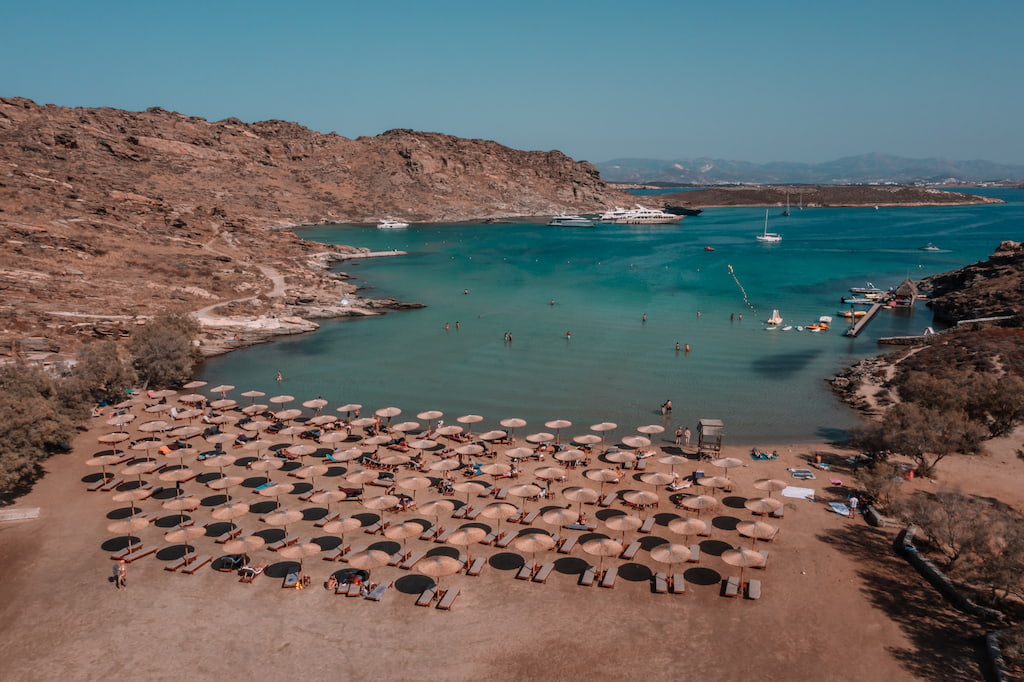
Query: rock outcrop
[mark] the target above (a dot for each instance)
(990, 288)
(107, 216)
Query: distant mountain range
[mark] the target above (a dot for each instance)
(866, 168)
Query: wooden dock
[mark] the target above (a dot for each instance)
(863, 321)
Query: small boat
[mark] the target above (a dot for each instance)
(852, 313)
(869, 289)
(929, 247)
(775, 319)
(709, 248)
(858, 300)
(389, 224)
(563, 220)
(771, 327)
(786, 212)
(787, 328)
(767, 236)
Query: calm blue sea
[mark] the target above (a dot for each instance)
(766, 386)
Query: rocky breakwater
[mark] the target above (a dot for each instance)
(109, 216)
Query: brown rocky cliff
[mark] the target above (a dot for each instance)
(990, 288)
(109, 215)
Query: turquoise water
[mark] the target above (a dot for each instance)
(766, 386)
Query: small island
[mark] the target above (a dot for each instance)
(809, 196)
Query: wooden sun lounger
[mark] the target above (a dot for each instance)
(249, 575)
(491, 537)
(175, 565)
(291, 579)
(609, 577)
(505, 539)
(778, 513)
(678, 584)
(284, 542)
(230, 535)
(648, 525)
(587, 579)
(502, 493)
(641, 465)
(753, 589)
(327, 519)
(374, 528)
(427, 596)
(378, 592)
(607, 500)
(310, 493)
(337, 553)
(706, 533)
(353, 590)
(120, 554)
(763, 553)
(448, 599)
(344, 557)
(694, 554)
(477, 566)
(112, 483)
(397, 558)
(568, 545)
(139, 553)
(529, 518)
(526, 572)
(443, 537)
(544, 572)
(97, 484)
(460, 512)
(660, 583)
(412, 560)
(732, 587)
(196, 563)
(631, 551)
(473, 513)
(429, 533)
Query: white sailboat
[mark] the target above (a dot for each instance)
(775, 318)
(767, 236)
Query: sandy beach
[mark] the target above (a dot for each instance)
(837, 603)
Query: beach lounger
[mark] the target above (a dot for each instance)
(473, 513)
(491, 537)
(569, 544)
(587, 579)
(460, 512)
(353, 590)
(660, 583)
(778, 513)
(526, 572)
(374, 528)
(412, 559)
(112, 483)
(397, 558)
(694, 553)
(336, 554)
(139, 553)
(631, 551)
(443, 537)
(648, 525)
(505, 539)
(429, 533)
(427, 596)
(641, 465)
(477, 566)
(544, 572)
(327, 519)
(344, 557)
(607, 500)
(310, 493)
(764, 553)
(174, 565)
(502, 493)
(706, 533)
(291, 579)
(120, 554)
(609, 577)
(378, 592)
(230, 535)
(753, 589)
(97, 484)
(196, 563)
(529, 518)
(678, 585)
(281, 544)
(247, 574)
(732, 587)
(448, 599)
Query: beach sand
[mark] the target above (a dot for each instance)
(837, 603)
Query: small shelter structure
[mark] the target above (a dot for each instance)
(709, 438)
(905, 294)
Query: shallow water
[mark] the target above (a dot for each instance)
(766, 386)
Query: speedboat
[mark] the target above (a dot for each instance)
(389, 224)
(767, 236)
(563, 220)
(930, 247)
(869, 289)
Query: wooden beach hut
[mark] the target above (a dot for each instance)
(905, 294)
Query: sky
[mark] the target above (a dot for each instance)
(791, 80)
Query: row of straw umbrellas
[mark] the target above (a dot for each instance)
(152, 431)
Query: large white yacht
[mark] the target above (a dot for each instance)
(389, 224)
(639, 216)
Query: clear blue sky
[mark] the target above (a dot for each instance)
(791, 80)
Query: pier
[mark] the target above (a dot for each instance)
(863, 321)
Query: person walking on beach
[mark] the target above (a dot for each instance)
(121, 574)
(679, 435)
(686, 436)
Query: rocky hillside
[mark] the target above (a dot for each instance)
(990, 288)
(108, 215)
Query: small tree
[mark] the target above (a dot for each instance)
(953, 522)
(101, 374)
(163, 352)
(881, 481)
